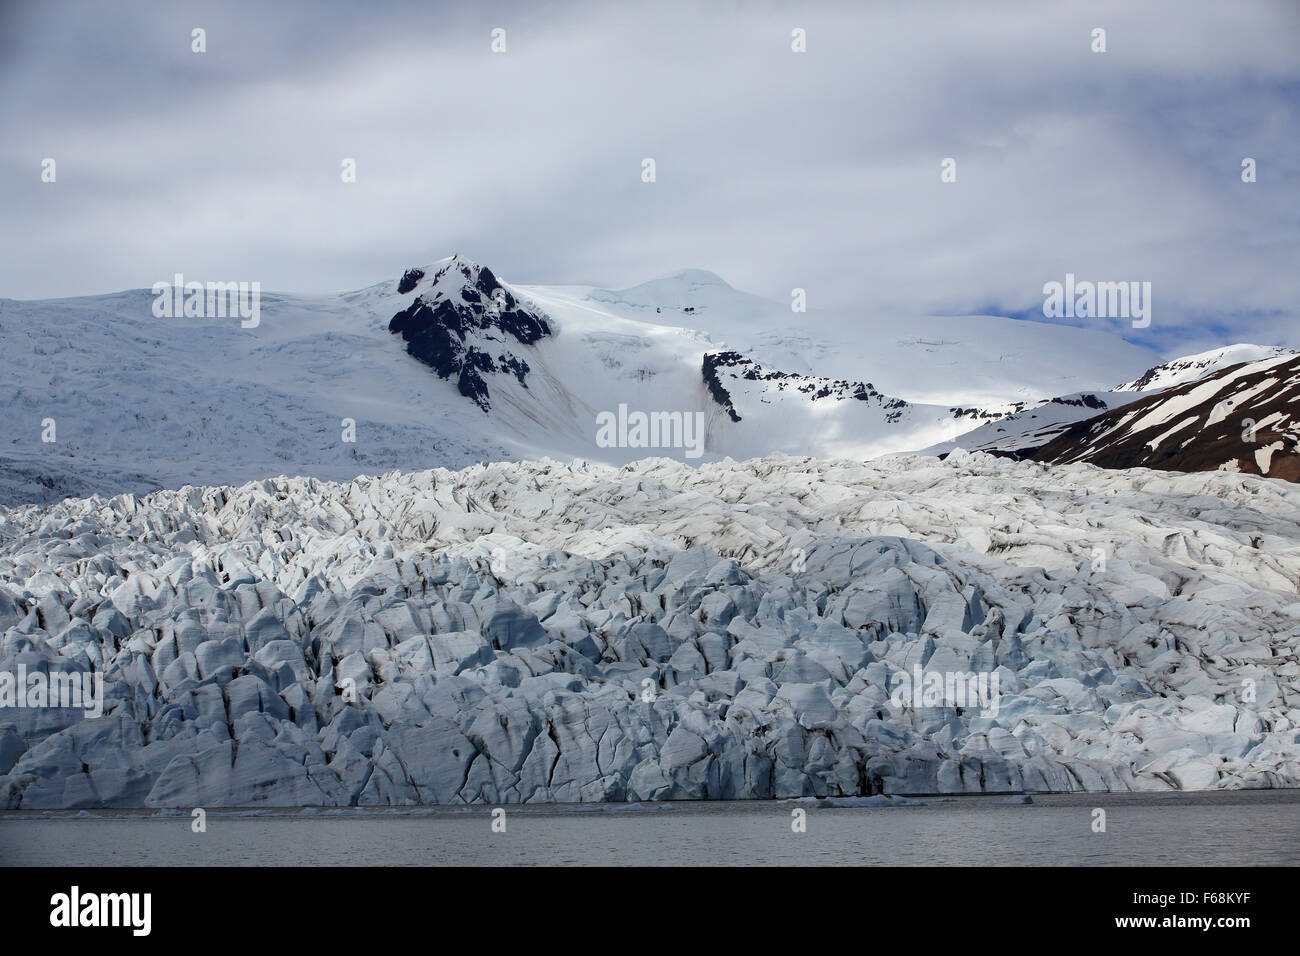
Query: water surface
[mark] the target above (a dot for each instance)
(1202, 829)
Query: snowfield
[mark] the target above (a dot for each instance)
(325, 385)
(536, 631)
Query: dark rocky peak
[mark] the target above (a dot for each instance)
(463, 322)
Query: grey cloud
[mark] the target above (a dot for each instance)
(819, 170)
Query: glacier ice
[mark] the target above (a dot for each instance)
(544, 631)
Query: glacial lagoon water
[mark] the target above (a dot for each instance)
(1196, 829)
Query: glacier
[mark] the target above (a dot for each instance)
(536, 631)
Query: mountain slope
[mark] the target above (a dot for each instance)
(1029, 426)
(815, 415)
(1244, 418)
(1191, 368)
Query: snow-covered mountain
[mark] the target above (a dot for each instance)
(1033, 425)
(1244, 418)
(1190, 368)
(1030, 426)
(467, 326)
(1190, 414)
(448, 364)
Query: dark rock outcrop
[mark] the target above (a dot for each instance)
(460, 326)
(410, 279)
(815, 388)
(712, 361)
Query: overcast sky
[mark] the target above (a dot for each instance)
(774, 169)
